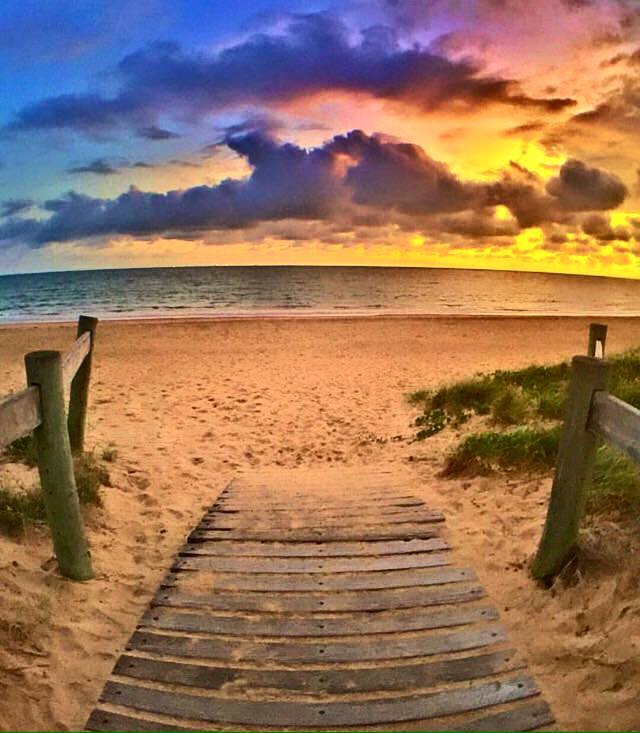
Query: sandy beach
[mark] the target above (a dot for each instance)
(188, 405)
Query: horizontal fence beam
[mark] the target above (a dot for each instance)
(19, 415)
(73, 358)
(616, 422)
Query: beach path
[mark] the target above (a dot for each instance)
(325, 602)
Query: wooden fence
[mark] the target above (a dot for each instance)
(53, 378)
(591, 414)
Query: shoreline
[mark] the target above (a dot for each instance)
(322, 317)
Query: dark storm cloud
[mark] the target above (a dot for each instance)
(153, 132)
(600, 228)
(16, 230)
(352, 180)
(99, 166)
(14, 206)
(402, 176)
(316, 53)
(581, 188)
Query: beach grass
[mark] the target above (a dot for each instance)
(20, 508)
(525, 408)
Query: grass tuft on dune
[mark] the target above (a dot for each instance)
(20, 508)
(527, 407)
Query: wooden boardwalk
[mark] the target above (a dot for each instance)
(295, 610)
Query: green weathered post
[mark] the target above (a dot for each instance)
(597, 332)
(55, 465)
(79, 392)
(573, 468)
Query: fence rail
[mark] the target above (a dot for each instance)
(616, 422)
(56, 380)
(73, 358)
(19, 415)
(591, 414)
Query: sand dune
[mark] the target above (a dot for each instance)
(189, 405)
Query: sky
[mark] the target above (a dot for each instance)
(499, 134)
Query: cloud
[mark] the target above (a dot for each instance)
(352, 181)
(600, 228)
(402, 176)
(478, 225)
(10, 207)
(153, 132)
(315, 53)
(15, 230)
(99, 166)
(581, 188)
(526, 128)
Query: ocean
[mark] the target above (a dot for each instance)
(245, 291)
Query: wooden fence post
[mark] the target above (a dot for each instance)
(55, 465)
(597, 333)
(573, 468)
(79, 392)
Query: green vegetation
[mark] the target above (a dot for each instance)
(518, 396)
(18, 509)
(21, 508)
(528, 404)
(524, 447)
(22, 450)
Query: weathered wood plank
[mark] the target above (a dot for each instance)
(616, 422)
(408, 531)
(371, 510)
(313, 522)
(315, 652)
(313, 564)
(73, 358)
(524, 717)
(410, 675)
(521, 718)
(346, 624)
(19, 415)
(106, 720)
(314, 582)
(316, 503)
(576, 452)
(374, 600)
(55, 467)
(277, 713)
(266, 549)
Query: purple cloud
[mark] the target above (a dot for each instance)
(351, 180)
(316, 53)
(99, 167)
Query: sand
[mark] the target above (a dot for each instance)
(190, 405)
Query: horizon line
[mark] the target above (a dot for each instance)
(318, 266)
